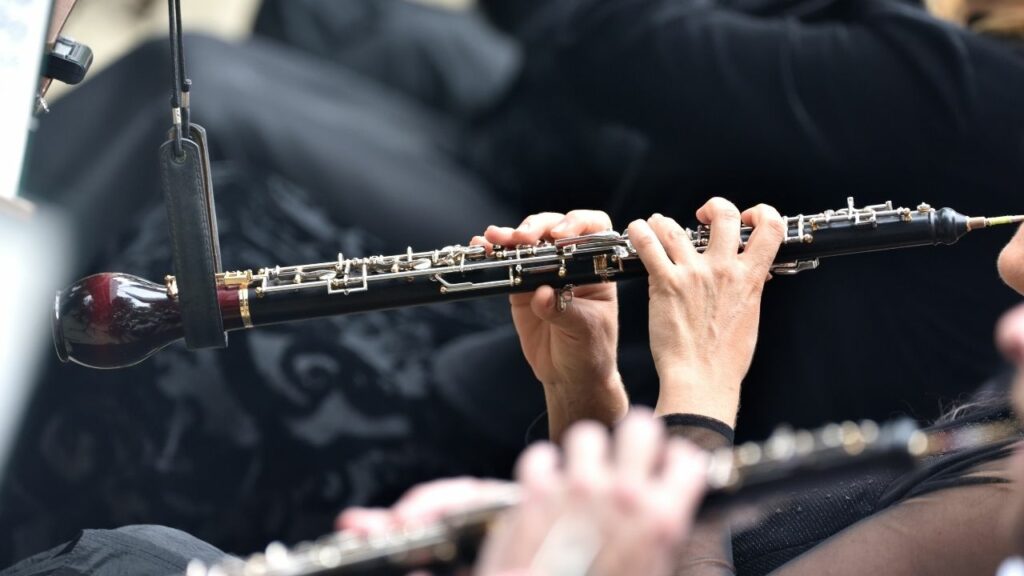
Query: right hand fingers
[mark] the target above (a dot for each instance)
(676, 241)
(649, 249)
(768, 234)
(724, 219)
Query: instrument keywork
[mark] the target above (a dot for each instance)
(738, 479)
(114, 320)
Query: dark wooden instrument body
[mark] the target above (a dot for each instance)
(115, 320)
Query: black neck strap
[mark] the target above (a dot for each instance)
(180, 85)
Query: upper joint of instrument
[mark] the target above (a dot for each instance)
(868, 216)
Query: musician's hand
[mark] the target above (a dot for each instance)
(605, 512)
(572, 352)
(423, 504)
(704, 308)
(631, 507)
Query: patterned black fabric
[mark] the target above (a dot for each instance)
(271, 437)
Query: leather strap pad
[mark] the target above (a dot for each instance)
(188, 195)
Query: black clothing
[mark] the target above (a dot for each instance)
(572, 132)
(872, 93)
(448, 60)
(801, 104)
(789, 536)
(942, 517)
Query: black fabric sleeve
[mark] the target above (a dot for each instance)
(708, 552)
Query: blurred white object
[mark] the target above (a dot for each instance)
(31, 240)
(31, 249)
(1012, 567)
(23, 25)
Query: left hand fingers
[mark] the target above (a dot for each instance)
(579, 222)
(724, 219)
(535, 227)
(482, 241)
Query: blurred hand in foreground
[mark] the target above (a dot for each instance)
(608, 508)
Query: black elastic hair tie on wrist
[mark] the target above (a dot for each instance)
(700, 421)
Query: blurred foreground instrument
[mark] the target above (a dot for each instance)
(115, 320)
(737, 478)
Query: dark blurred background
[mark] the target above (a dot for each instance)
(362, 126)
